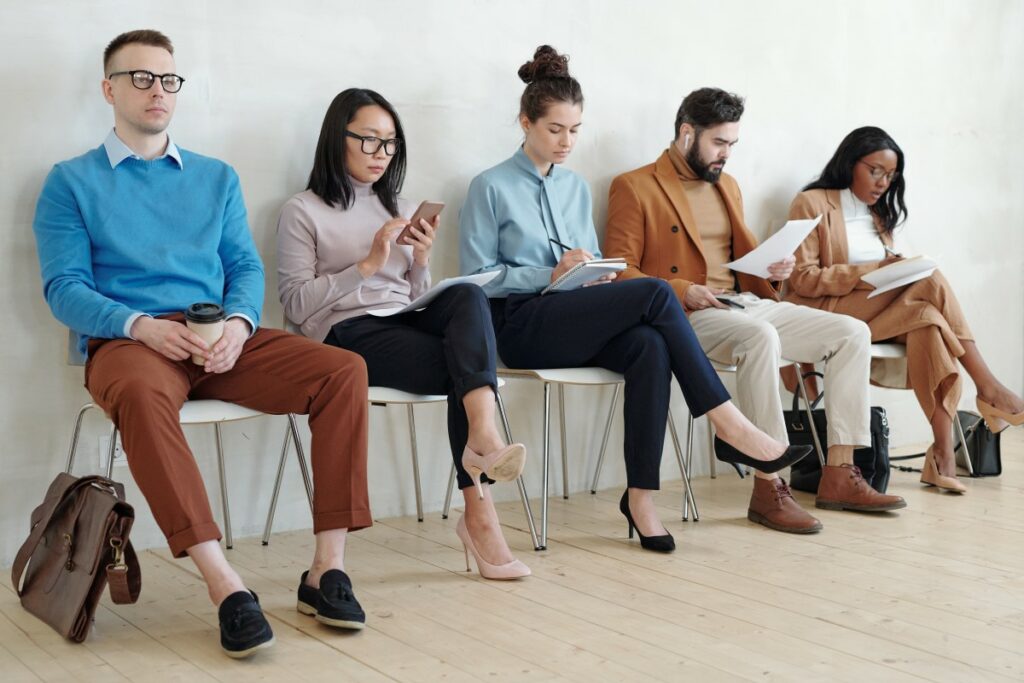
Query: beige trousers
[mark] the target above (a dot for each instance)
(757, 338)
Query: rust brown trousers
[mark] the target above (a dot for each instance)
(278, 373)
(924, 315)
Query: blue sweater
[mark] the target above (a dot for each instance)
(144, 237)
(511, 213)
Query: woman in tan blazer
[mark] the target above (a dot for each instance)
(860, 198)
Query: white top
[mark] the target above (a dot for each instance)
(863, 243)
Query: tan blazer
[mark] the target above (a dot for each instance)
(651, 225)
(823, 272)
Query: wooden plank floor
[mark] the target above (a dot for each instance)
(933, 593)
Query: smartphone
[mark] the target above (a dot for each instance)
(729, 302)
(427, 211)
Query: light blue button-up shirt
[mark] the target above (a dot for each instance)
(117, 151)
(511, 214)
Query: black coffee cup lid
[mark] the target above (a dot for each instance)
(204, 313)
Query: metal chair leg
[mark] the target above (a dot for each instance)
(684, 470)
(228, 541)
(565, 450)
(415, 463)
(277, 489)
(111, 450)
(448, 496)
(546, 464)
(604, 439)
(300, 453)
(519, 481)
(73, 448)
(958, 431)
(689, 443)
(712, 460)
(801, 394)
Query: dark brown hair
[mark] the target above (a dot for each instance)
(143, 36)
(708, 107)
(547, 81)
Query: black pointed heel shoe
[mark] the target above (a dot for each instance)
(734, 456)
(661, 544)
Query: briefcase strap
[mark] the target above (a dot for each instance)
(126, 574)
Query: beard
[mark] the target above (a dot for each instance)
(703, 170)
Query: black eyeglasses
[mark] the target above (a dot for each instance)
(144, 80)
(371, 145)
(877, 173)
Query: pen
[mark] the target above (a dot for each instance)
(559, 244)
(890, 251)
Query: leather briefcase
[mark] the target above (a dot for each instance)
(77, 544)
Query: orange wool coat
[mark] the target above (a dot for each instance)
(651, 225)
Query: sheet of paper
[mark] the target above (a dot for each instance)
(777, 247)
(421, 301)
(899, 274)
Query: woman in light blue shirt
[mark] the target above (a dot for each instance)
(532, 221)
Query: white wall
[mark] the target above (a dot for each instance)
(942, 77)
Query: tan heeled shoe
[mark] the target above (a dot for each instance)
(930, 475)
(504, 464)
(996, 418)
(499, 572)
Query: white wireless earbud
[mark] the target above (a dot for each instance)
(686, 141)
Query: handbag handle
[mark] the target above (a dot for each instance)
(36, 536)
(796, 394)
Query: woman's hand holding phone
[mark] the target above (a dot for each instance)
(421, 238)
(380, 250)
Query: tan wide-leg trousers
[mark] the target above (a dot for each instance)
(142, 392)
(759, 336)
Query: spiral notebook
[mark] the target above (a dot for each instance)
(584, 272)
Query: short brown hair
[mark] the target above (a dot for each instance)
(143, 36)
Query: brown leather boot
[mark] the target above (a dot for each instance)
(772, 505)
(843, 488)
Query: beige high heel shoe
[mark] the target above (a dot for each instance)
(504, 464)
(930, 475)
(499, 572)
(997, 419)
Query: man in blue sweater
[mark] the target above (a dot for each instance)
(129, 235)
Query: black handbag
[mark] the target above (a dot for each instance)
(873, 462)
(982, 446)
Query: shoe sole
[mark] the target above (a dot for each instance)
(758, 518)
(309, 610)
(242, 654)
(839, 505)
(510, 466)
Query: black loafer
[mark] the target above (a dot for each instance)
(730, 454)
(243, 628)
(333, 603)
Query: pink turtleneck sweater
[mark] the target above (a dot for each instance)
(317, 250)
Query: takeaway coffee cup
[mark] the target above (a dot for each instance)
(206, 320)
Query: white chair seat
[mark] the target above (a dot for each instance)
(580, 376)
(211, 410)
(388, 395)
(888, 350)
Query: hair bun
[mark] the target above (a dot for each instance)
(547, 63)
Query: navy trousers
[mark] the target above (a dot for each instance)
(447, 348)
(634, 327)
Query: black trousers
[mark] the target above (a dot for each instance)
(447, 348)
(635, 327)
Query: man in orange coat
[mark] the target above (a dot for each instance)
(681, 219)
